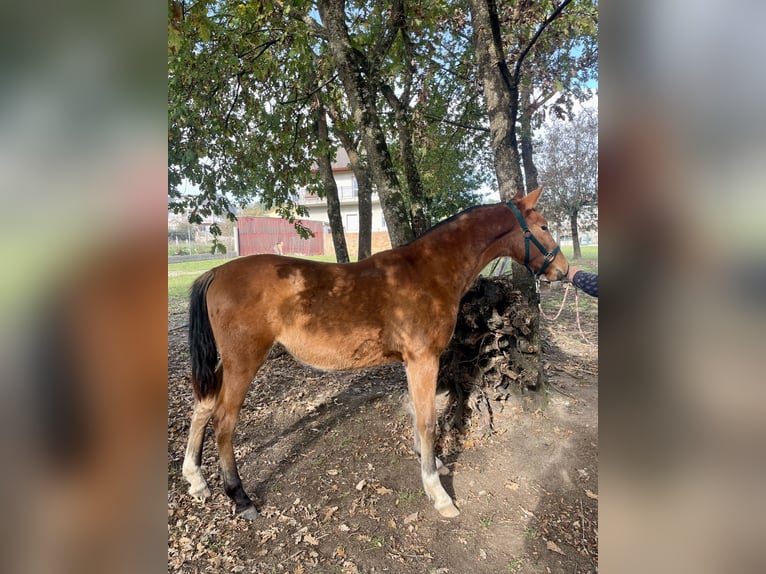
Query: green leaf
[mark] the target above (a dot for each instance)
(175, 40)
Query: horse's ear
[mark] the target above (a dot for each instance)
(519, 195)
(530, 200)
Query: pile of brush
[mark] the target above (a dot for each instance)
(493, 353)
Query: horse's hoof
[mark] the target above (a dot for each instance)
(201, 494)
(449, 511)
(249, 513)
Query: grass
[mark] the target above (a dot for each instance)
(531, 533)
(487, 521)
(407, 497)
(589, 259)
(376, 542)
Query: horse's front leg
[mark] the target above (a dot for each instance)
(421, 378)
(440, 467)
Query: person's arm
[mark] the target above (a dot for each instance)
(588, 282)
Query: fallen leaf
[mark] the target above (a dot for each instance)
(552, 546)
(392, 523)
(343, 528)
(333, 471)
(309, 539)
(590, 494)
(411, 518)
(360, 484)
(329, 513)
(383, 490)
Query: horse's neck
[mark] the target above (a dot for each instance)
(461, 249)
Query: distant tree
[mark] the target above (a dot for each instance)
(568, 164)
(557, 71)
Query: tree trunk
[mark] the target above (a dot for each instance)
(324, 162)
(501, 94)
(420, 223)
(364, 188)
(522, 279)
(362, 92)
(576, 254)
(525, 141)
(364, 184)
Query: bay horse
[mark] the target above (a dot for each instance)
(397, 305)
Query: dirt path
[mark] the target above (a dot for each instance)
(328, 460)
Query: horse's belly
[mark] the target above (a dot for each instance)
(348, 353)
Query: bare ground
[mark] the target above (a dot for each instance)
(327, 458)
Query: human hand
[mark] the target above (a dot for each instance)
(571, 273)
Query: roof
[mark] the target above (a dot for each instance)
(341, 163)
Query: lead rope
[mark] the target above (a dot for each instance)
(564, 300)
(577, 314)
(561, 308)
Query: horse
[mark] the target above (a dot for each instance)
(397, 305)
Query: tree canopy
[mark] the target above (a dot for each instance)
(399, 79)
(244, 79)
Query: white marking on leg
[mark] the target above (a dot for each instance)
(192, 472)
(435, 491)
(441, 468)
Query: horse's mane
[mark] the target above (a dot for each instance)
(450, 219)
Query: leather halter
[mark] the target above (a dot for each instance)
(529, 237)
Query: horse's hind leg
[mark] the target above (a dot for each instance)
(421, 377)
(192, 471)
(236, 381)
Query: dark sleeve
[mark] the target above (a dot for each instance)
(588, 282)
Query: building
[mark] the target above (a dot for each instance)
(348, 194)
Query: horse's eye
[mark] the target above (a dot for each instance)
(544, 227)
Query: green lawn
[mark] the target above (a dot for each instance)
(589, 260)
(182, 275)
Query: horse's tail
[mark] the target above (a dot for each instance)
(202, 347)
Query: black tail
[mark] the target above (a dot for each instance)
(204, 353)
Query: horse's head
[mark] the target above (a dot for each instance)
(532, 243)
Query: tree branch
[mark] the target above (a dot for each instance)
(310, 94)
(540, 30)
(395, 23)
(233, 102)
(456, 124)
(318, 30)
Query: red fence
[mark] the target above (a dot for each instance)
(262, 234)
